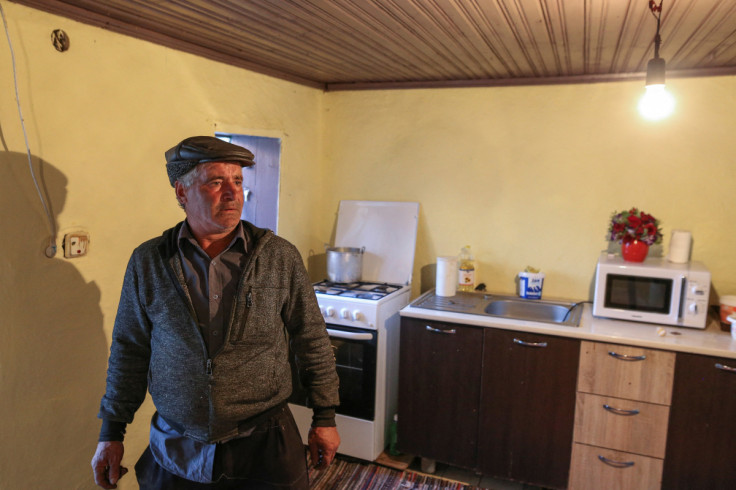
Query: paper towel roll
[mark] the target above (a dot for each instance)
(680, 245)
(446, 276)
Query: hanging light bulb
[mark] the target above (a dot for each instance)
(656, 103)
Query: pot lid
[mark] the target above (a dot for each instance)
(387, 230)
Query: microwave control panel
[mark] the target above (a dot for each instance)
(696, 294)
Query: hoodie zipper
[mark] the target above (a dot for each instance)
(244, 318)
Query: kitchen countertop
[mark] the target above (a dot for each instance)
(711, 341)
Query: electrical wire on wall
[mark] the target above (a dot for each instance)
(51, 249)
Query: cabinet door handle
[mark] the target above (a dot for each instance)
(530, 344)
(723, 367)
(624, 357)
(616, 464)
(620, 411)
(451, 331)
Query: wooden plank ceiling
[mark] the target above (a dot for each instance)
(363, 44)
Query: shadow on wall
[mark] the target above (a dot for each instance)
(53, 352)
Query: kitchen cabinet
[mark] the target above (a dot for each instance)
(591, 472)
(439, 389)
(500, 402)
(702, 427)
(527, 406)
(651, 410)
(622, 409)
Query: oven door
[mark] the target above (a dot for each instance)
(355, 352)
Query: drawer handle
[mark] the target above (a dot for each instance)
(620, 411)
(725, 368)
(616, 464)
(451, 331)
(530, 344)
(624, 357)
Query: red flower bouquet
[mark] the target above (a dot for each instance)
(627, 226)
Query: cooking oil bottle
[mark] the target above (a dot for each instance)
(465, 270)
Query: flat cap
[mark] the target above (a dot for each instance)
(202, 149)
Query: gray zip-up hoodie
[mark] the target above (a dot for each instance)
(157, 344)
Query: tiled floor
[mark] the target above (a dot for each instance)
(471, 478)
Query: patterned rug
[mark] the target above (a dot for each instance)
(351, 475)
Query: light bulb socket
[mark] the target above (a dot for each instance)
(655, 71)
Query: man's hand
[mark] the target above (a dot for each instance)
(106, 464)
(323, 444)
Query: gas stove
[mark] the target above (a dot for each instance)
(360, 304)
(362, 320)
(361, 290)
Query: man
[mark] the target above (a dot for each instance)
(209, 315)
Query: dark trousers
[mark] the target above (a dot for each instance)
(270, 458)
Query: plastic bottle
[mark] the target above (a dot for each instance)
(465, 270)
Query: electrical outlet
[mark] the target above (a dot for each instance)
(76, 244)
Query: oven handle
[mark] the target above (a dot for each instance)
(340, 334)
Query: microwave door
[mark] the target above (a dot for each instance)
(663, 303)
(642, 298)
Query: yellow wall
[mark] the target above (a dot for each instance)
(531, 175)
(525, 175)
(100, 117)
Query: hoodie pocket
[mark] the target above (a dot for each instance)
(259, 317)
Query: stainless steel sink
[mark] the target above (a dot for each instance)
(567, 313)
(529, 310)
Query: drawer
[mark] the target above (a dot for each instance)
(606, 469)
(628, 372)
(621, 424)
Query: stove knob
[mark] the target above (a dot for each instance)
(357, 315)
(329, 311)
(345, 314)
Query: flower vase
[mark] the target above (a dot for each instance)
(634, 250)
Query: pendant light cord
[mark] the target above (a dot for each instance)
(51, 249)
(657, 13)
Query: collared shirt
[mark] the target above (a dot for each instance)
(182, 456)
(212, 284)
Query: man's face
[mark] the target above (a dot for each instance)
(214, 201)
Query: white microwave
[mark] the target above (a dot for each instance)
(653, 291)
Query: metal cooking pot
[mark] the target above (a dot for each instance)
(344, 264)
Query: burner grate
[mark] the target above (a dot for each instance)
(360, 290)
